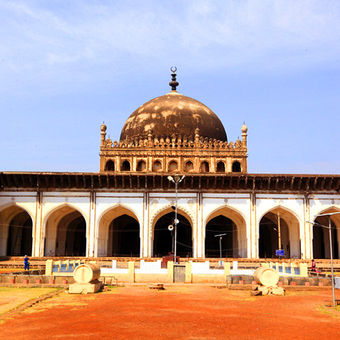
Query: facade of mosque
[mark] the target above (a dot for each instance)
(127, 209)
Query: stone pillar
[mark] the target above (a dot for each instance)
(91, 228)
(226, 268)
(253, 252)
(188, 272)
(170, 271)
(307, 237)
(146, 232)
(49, 268)
(198, 244)
(131, 269)
(38, 234)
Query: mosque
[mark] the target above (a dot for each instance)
(173, 155)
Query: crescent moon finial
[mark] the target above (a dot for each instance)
(173, 82)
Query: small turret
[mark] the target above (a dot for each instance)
(103, 133)
(244, 130)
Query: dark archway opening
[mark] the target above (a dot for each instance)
(236, 167)
(162, 243)
(125, 166)
(76, 237)
(204, 167)
(157, 166)
(172, 166)
(220, 167)
(268, 241)
(110, 166)
(124, 237)
(19, 241)
(189, 166)
(321, 246)
(141, 166)
(220, 225)
(71, 236)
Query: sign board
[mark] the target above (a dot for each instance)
(280, 252)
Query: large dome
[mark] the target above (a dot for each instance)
(173, 114)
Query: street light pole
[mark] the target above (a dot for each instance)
(176, 180)
(279, 229)
(176, 221)
(331, 253)
(220, 242)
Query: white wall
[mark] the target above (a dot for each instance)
(148, 207)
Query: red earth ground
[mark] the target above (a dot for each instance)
(179, 312)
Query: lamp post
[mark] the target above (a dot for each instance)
(279, 230)
(220, 241)
(330, 245)
(176, 180)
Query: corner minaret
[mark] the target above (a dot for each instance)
(102, 134)
(244, 130)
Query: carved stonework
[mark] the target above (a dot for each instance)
(160, 155)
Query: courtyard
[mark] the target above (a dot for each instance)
(178, 312)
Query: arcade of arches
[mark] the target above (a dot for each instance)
(172, 166)
(119, 234)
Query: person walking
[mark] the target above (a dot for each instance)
(27, 264)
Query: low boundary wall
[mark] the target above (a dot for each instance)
(152, 271)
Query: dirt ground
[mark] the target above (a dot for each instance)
(13, 297)
(179, 312)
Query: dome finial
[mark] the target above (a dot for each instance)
(173, 82)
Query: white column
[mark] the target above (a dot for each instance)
(91, 227)
(253, 252)
(38, 233)
(198, 244)
(307, 240)
(145, 241)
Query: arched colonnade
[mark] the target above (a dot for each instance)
(119, 233)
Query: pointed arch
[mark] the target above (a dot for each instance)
(16, 230)
(114, 221)
(173, 166)
(141, 165)
(236, 166)
(166, 209)
(110, 165)
(320, 235)
(65, 231)
(126, 166)
(157, 165)
(16, 205)
(220, 166)
(61, 206)
(159, 224)
(188, 166)
(204, 166)
(268, 230)
(283, 209)
(237, 229)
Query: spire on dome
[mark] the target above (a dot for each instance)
(173, 82)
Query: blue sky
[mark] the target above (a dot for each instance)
(67, 66)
